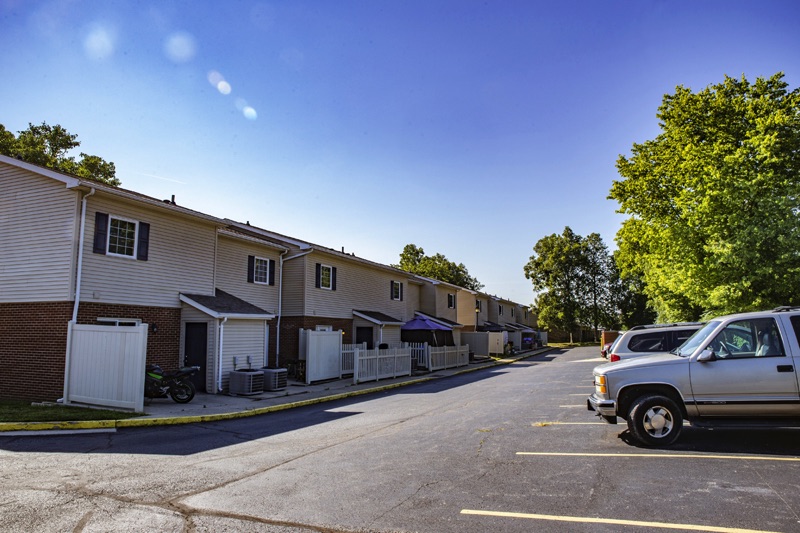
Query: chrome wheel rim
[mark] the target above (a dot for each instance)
(658, 422)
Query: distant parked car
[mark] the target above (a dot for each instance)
(652, 339)
(607, 347)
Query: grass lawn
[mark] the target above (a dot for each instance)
(23, 411)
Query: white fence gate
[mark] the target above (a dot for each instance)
(322, 352)
(105, 366)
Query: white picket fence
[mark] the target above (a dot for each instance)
(372, 365)
(448, 357)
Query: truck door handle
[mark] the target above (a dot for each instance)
(785, 368)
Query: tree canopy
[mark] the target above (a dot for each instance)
(49, 146)
(714, 201)
(414, 260)
(573, 276)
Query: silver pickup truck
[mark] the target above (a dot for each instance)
(738, 370)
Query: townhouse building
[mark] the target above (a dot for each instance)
(215, 293)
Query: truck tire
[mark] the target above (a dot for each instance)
(655, 420)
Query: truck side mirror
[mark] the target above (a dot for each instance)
(706, 356)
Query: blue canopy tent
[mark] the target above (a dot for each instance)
(421, 329)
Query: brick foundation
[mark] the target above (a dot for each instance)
(33, 343)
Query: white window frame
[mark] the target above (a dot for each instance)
(500, 310)
(479, 305)
(322, 269)
(111, 219)
(451, 298)
(397, 290)
(256, 278)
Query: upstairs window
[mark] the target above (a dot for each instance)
(260, 270)
(325, 277)
(478, 306)
(121, 237)
(396, 290)
(500, 309)
(451, 301)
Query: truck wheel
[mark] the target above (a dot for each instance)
(655, 420)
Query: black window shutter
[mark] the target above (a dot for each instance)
(143, 245)
(251, 269)
(272, 272)
(333, 278)
(100, 232)
(391, 290)
(319, 276)
(401, 292)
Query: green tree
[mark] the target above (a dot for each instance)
(714, 201)
(414, 260)
(49, 146)
(555, 271)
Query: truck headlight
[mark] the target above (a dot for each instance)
(600, 384)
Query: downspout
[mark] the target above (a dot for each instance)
(79, 274)
(221, 335)
(280, 304)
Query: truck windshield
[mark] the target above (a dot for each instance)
(695, 341)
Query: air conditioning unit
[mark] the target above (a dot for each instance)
(246, 382)
(275, 378)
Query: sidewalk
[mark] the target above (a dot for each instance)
(212, 407)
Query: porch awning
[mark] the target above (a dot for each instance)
(377, 317)
(224, 305)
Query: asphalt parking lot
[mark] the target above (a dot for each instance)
(509, 449)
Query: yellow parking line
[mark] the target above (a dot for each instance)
(612, 521)
(665, 456)
(544, 424)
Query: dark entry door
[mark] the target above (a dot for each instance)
(364, 334)
(195, 351)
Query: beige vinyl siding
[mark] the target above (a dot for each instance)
(427, 298)
(412, 300)
(38, 236)
(242, 338)
(180, 258)
(357, 287)
(295, 286)
(442, 311)
(232, 273)
(391, 334)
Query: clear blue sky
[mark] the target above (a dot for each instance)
(469, 128)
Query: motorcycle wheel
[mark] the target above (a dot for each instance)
(182, 392)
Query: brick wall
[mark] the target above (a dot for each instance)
(290, 334)
(33, 343)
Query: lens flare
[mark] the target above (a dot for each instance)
(100, 43)
(180, 47)
(249, 113)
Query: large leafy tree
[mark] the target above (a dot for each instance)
(414, 260)
(572, 275)
(714, 201)
(49, 146)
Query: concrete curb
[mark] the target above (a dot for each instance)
(9, 429)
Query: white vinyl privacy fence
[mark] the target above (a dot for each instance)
(322, 353)
(105, 366)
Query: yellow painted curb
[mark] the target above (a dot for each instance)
(169, 421)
